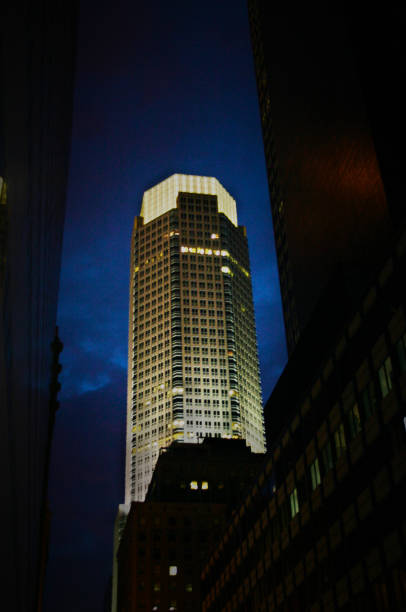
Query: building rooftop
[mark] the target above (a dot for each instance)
(162, 197)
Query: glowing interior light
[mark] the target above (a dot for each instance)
(173, 570)
(224, 253)
(192, 249)
(184, 249)
(217, 253)
(214, 236)
(200, 251)
(205, 485)
(193, 485)
(163, 197)
(225, 270)
(136, 268)
(208, 251)
(177, 390)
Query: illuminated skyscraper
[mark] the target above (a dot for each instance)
(192, 360)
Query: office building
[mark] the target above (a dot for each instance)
(37, 52)
(167, 538)
(324, 528)
(331, 111)
(192, 357)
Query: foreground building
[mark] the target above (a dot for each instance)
(323, 529)
(332, 118)
(37, 52)
(324, 526)
(192, 357)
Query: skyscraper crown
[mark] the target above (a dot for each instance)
(162, 197)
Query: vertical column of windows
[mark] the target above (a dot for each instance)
(176, 331)
(134, 369)
(232, 362)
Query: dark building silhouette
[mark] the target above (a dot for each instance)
(37, 57)
(331, 110)
(324, 526)
(217, 470)
(167, 538)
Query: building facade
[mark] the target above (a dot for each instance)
(192, 358)
(325, 103)
(37, 58)
(324, 527)
(167, 538)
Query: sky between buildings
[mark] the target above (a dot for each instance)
(161, 88)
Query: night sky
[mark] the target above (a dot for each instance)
(161, 88)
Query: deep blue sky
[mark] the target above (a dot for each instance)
(161, 88)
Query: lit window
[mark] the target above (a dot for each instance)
(193, 484)
(189, 588)
(205, 485)
(315, 474)
(173, 570)
(294, 503)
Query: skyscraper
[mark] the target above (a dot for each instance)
(325, 102)
(192, 359)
